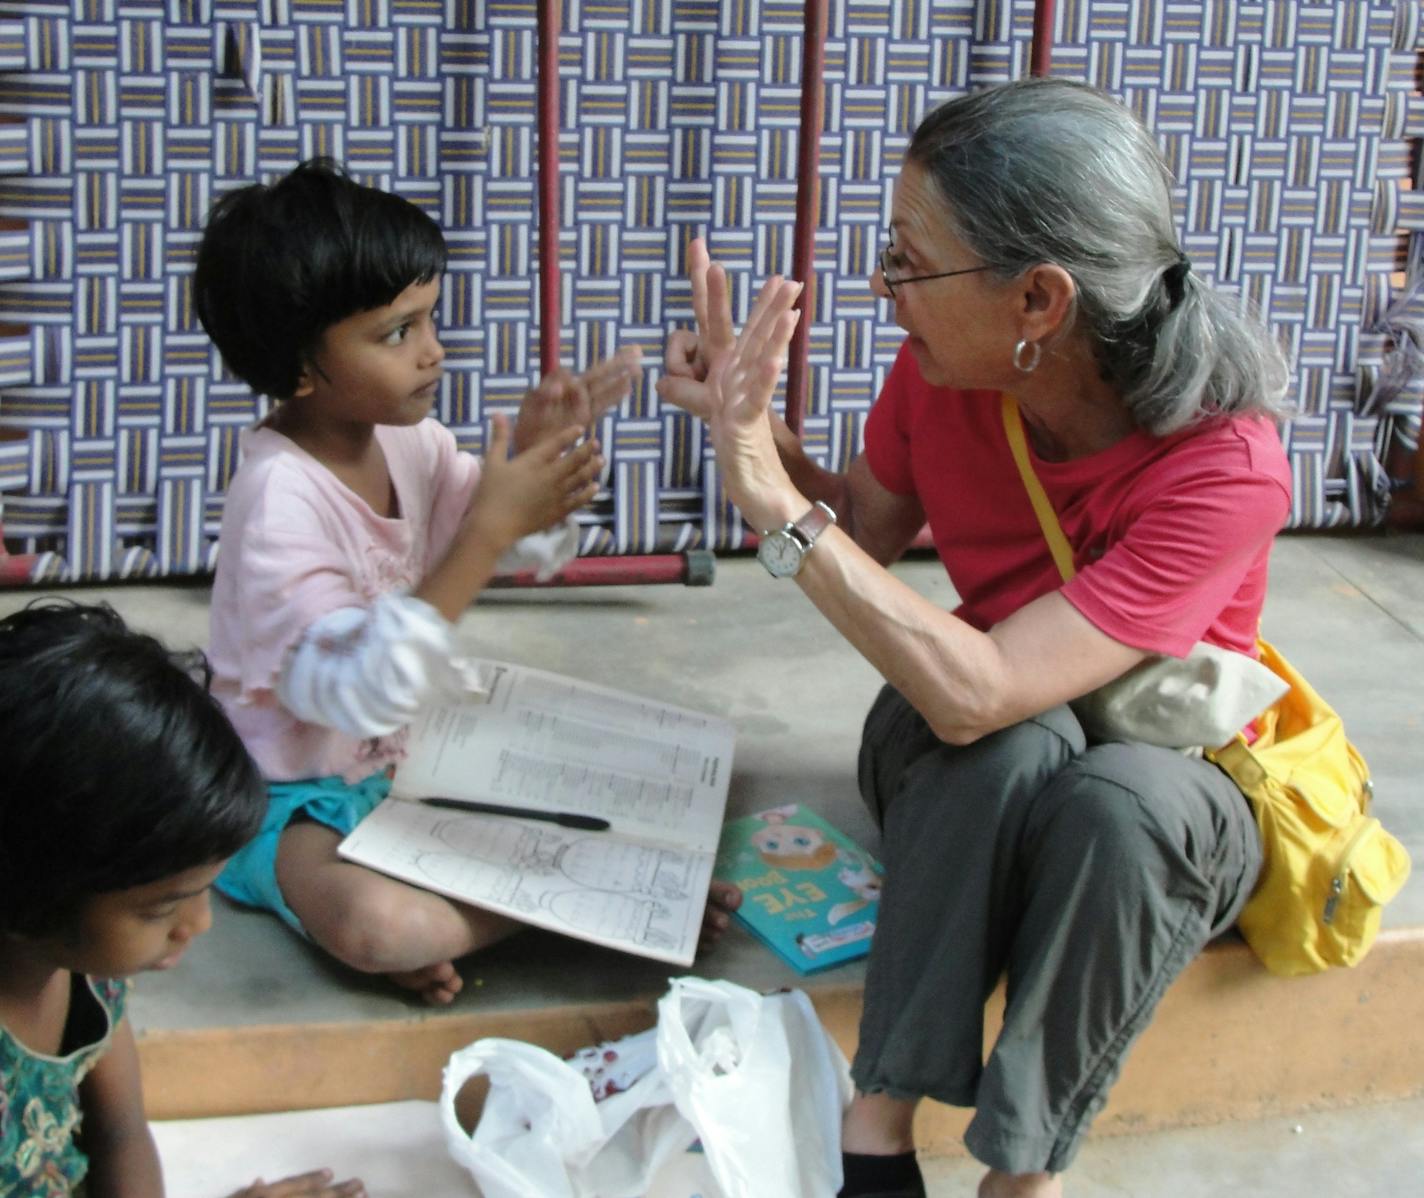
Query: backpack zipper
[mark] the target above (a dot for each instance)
(1337, 883)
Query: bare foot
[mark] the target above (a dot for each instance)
(722, 899)
(437, 984)
(1021, 1185)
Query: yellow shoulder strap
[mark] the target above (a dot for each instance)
(1047, 518)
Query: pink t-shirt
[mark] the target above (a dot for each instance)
(1170, 535)
(296, 544)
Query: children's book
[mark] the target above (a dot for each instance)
(808, 890)
(548, 744)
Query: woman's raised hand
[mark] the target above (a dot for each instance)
(728, 380)
(688, 352)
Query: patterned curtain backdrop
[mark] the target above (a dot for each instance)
(121, 122)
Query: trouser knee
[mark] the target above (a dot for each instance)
(903, 761)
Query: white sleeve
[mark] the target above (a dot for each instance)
(545, 552)
(369, 671)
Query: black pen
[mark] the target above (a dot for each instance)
(565, 819)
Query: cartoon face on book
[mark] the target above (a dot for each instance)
(798, 846)
(791, 846)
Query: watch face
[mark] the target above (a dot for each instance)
(780, 553)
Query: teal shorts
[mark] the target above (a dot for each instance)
(250, 877)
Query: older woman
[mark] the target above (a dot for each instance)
(1031, 254)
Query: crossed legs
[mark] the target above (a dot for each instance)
(1089, 876)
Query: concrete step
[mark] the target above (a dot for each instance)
(1230, 1042)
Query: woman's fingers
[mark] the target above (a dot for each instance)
(717, 329)
(763, 326)
(686, 393)
(680, 356)
(697, 264)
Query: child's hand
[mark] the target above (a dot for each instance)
(534, 489)
(563, 398)
(308, 1185)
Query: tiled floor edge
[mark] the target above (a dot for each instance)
(1229, 1042)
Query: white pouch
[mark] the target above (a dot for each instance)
(1198, 701)
(761, 1081)
(542, 1134)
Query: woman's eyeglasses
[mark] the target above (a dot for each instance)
(892, 281)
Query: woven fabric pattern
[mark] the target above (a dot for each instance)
(1285, 122)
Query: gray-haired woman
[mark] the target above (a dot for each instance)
(1031, 255)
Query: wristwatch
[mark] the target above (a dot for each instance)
(782, 550)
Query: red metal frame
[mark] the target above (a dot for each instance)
(808, 203)
(550, 17)
(661, 568)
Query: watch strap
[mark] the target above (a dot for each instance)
(813, 523)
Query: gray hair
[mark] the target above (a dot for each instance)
(1046, 170)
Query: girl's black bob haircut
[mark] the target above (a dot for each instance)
(121, 768)
(280, 264)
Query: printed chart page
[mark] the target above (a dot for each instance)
(555, 743)
(598, 886)
(545, 742)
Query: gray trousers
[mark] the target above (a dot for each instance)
(1088, 875)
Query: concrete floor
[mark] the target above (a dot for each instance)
(398, 1150)
(1345, 609)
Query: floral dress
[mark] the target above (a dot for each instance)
(39, 1094)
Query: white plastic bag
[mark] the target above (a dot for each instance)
(761, 1081)
(543, 1135)
(754, 1076)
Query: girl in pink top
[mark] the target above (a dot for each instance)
(354, 534)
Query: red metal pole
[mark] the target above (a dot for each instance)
(808, 205)
(695, 568)
(550, 329)
(1040, 57)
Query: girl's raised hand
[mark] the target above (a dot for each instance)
(534, 489)
(563, 398)
(307, 1185)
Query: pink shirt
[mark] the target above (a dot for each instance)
(1170, 535)
(297, 544)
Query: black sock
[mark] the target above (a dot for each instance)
(868, 1175)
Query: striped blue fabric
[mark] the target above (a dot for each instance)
(1287, 125)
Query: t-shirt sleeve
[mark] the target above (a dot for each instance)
(291, 571)
(887, 438)
(1183, 559)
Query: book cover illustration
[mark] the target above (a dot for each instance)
(808, 891)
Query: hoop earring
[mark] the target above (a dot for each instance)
(1035, 353)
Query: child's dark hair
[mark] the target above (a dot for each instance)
(120, 768)
(280, 264)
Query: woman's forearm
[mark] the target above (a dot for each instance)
(965, 683)
(813, 481)
(952, 673)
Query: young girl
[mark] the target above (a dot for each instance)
(354, 534)
(126, 789)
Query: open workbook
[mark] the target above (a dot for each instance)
(545, 742)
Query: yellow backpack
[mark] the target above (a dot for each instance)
(1328, 866)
